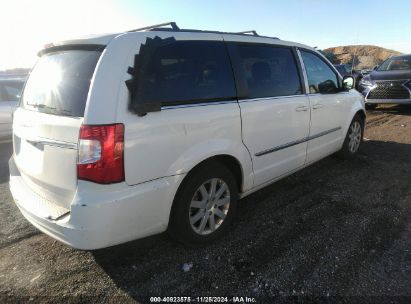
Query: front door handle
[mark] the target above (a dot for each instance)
(317, 106)
(301, 109)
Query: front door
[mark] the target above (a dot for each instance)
(329, 107)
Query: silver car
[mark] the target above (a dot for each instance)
(10, 91)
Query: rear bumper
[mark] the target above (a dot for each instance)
(101, 216)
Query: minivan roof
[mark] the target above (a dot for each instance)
(246, 36)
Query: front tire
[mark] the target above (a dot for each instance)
(205, 205)
(353, 139)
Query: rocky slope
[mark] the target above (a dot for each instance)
(366, 56)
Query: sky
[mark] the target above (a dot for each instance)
(27, 25)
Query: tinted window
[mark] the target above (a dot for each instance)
(396, 63)
(10, 90)
(342, 69)
(186, 71)
(269, 71)
(321, 78)
(59, 83)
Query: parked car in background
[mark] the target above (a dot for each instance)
(123, 136)
(366, 71)
(390, 83)
(345, 70)
(10, 91)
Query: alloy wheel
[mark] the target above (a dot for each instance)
(354, 137)
(209, 206)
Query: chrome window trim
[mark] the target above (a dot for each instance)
(296, 142)
(325, 94)
(200, 104)
(210, 103)
(270, 98)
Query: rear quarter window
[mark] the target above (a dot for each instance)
(184, 72)
(60, 81)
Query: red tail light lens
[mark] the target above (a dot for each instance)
(101, 153)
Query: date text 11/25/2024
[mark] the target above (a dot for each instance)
(202, 300)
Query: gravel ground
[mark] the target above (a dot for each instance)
(338, 230)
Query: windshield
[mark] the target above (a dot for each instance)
(396, 63)
(60, 81)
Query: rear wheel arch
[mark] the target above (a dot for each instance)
(229, 161)
(222, 165)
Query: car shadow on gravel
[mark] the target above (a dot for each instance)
(393, 109)
(336, 228)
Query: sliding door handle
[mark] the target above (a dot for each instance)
(301, 109)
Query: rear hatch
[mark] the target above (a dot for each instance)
(47, 124)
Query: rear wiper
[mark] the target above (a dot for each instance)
(41, 106)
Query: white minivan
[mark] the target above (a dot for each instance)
(122, 136)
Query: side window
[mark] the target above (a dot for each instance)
(187, 71)
(3, 96)
(321, 78)
(12, 91)
(270, 71)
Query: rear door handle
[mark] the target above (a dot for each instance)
(317, 106)
(301, 109)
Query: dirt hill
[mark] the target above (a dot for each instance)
(367, 56)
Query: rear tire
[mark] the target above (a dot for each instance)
(353, 139)
(205, 205)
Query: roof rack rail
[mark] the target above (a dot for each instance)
(174, 27)
(248, 32)
(172, 24)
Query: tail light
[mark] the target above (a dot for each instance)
(101, 153)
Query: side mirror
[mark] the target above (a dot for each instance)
(375, 68)
(348, 83)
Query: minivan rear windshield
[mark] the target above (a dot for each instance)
(60, 81)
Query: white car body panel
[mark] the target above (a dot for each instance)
(101, 215)
(328, 114)
(187, 141)
(269, 123)
(160, 148)
(45, 151)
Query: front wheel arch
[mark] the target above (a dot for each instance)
(344, 152)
